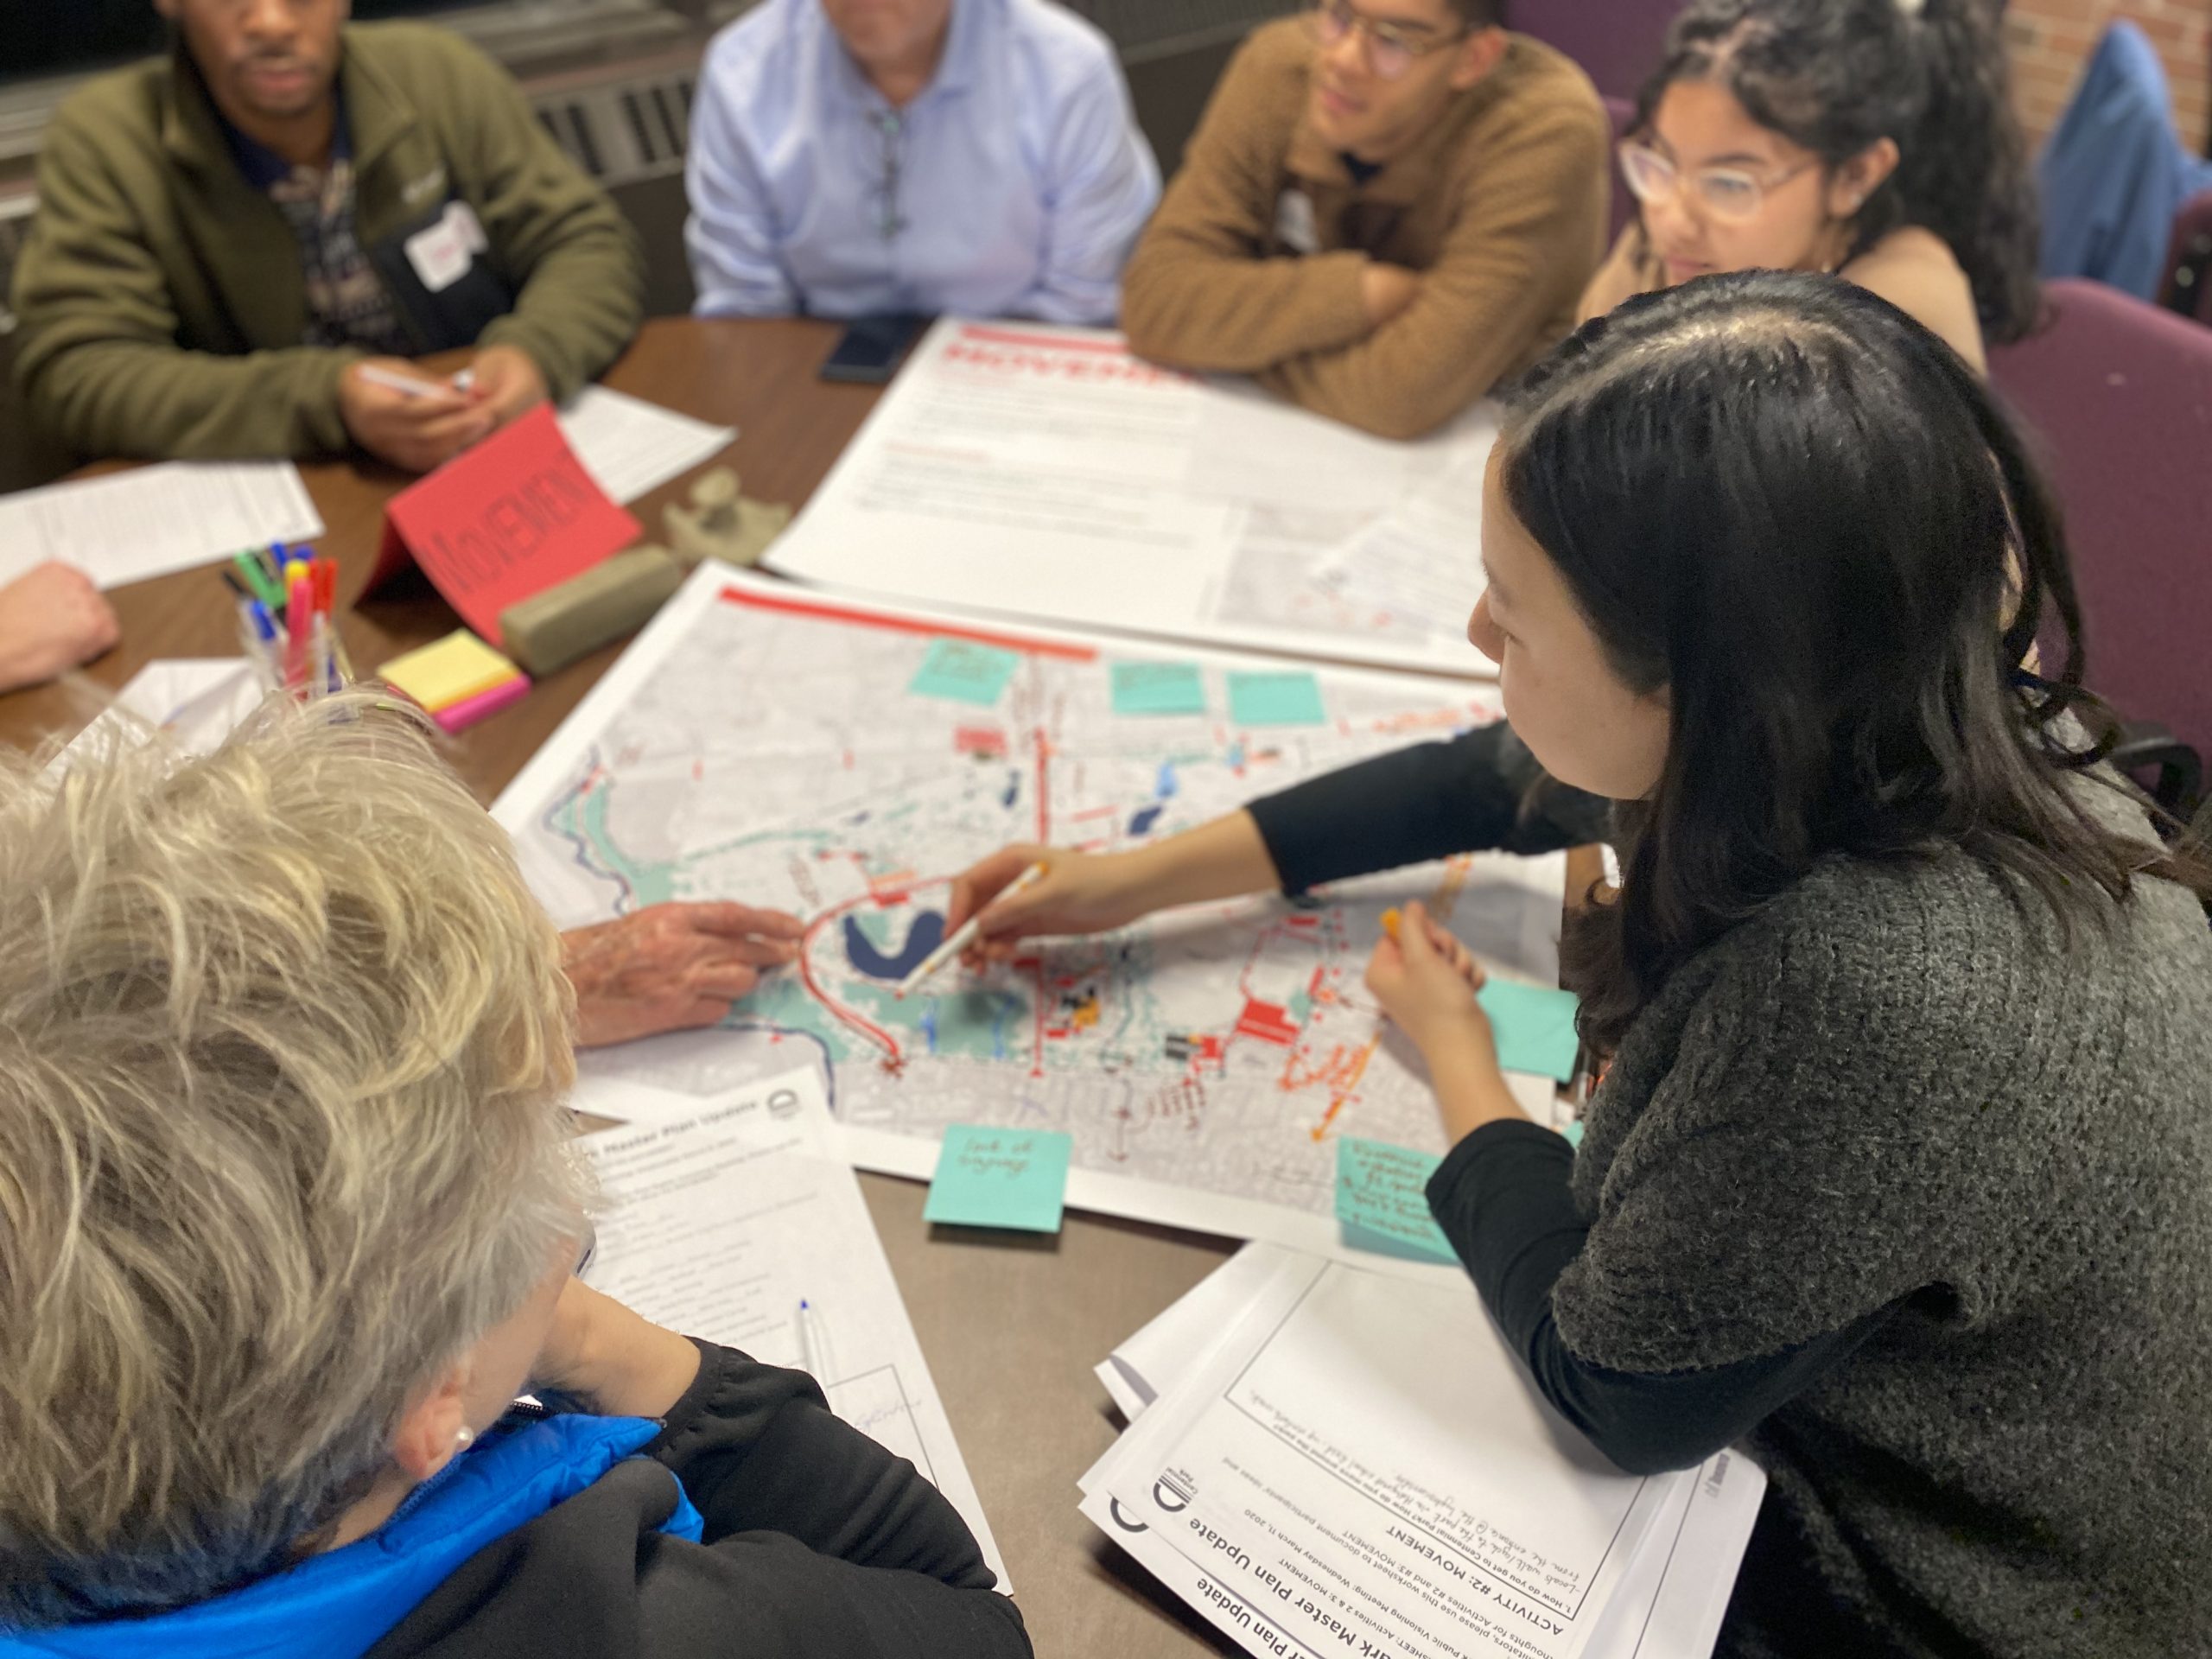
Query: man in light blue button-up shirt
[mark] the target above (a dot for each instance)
(857, 157)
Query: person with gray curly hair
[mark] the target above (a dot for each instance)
(287, 1212)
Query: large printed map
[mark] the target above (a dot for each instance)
(843, 760)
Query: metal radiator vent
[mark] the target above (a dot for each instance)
(625, 130)
(15, 225)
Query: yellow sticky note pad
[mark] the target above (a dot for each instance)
(456, 669)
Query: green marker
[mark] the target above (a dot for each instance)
(257, 577)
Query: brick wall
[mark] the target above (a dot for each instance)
(2052, 39)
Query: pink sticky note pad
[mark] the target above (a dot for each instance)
(456, 716)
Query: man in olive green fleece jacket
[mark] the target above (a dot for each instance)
(225, 237)
(1388, 207)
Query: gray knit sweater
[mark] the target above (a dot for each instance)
(1901, 1080)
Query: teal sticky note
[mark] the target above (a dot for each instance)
(1159, 688)
(1000, 1177)
(1573, 1133)
(1288, 698)
(964, 672)
(1534, 1028)
(1383, 1200)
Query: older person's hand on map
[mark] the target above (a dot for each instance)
(672, 966)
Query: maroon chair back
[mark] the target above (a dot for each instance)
(2120, 393)
(2188, 285)
(1617, 42)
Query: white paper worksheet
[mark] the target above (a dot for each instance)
(195, 701)
(1669, 1603)
(1049, 472)
(131, 526)
(1360, 1468)
(630, 447)
(730, 1218)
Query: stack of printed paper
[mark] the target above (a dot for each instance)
(730, 1216)
(1044, 472)
(1326, 1459)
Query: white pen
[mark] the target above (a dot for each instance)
(964, 935)
(813, 1341)
(413, 385)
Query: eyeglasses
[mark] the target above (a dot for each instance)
(1391, 48)
(1728, 194)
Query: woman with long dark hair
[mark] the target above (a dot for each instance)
(1901, 1174)
(1874, 138)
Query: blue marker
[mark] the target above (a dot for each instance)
(264, 636)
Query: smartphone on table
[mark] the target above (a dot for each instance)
(871, 349)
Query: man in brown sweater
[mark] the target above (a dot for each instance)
(1388, 208)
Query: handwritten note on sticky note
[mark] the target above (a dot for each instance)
(963, 671)
(1383, 1199)
(1291, 698)
(1159, 688)
(451, 670)
(1000, 1177)
(1534, 1028)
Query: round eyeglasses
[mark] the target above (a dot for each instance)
(1731, 194)
(1391, 48)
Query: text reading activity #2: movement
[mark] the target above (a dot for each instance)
(1047, 473)
(843, 760)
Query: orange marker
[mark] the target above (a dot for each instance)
(1391, 923)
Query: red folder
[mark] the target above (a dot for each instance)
(511, 518)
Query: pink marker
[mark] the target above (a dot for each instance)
(453, 716)
(299, 624)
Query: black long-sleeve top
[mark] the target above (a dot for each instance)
(1479, 791)
(819, 1544)
(1502, 1200)
(1502, 1197)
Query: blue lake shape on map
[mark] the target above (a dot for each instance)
(878, 961)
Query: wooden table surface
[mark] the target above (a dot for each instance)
(1011, 1327)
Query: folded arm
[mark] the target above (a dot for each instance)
(1201, 292)
(759, 1451)
(1518, 254)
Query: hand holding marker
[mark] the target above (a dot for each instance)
(1441, 940)
(963, 936)
(408, 386)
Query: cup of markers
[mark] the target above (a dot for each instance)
(286, 629)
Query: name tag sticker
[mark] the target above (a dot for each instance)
(467, 227)
(440, 255)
